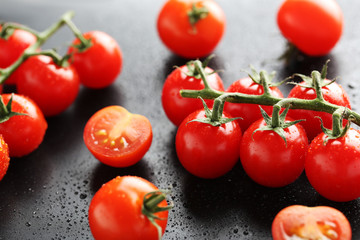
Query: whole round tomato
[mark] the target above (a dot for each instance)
(187, 34)
(115, 211)
(23, 133)
(207, 151)
(53, 88)
(333, 168)
(302, 222)
(4, 157)
(99, 65)
(176, 107)
(117, 137)
(268, 160)
(313, 26)
(332, 93)
(12, 48)
(249, 113)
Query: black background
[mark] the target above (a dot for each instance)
(46, 194)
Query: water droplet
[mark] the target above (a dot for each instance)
(28, 224)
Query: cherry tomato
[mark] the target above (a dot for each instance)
(183, 38)
(207, 151)
(115, 211)
(313, 26)
(249, 113)
(117, 137)
(333, 168)
(99, 65)
(175, 106)
(53, 88)
(12, 48)
(302, 222)
(23, 133)
(268, 160)
(4, 157)
(332, 93)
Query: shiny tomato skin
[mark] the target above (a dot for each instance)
(268, 160)
(178, 35)
(176, 107)
(207, 151)
(99, 65)
(332, 93)
(23, 133)
(53, 88)
(12, 48)
(115, 210)
(313, 26)
(249, 113)
(333, 168)
(302, 222)
(117, 137)
(4, 157)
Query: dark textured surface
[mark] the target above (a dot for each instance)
(46, 194)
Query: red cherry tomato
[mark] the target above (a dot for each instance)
(249, 113)
(12, 48)
(207, 151)
(313, 26)
(332, 93)
(53, 88)
(4, 157)
(268, 160)
(333, 168)
(115, 211)
(301, 222)
(178, 34)
(99, 65)
(23, 133)
(117, 137)
(176, 107)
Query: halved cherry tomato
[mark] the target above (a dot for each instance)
(304, 223)
(117, 137)
(4, 157)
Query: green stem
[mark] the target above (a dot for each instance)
(199, 68)
(337, 121)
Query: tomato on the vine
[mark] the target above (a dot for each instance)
(333, 166)
(4, 157)
(176, 107)
(207, 151)
(117, 137)
(191, 29)
(313, 26)
(302, 222)
(52, 87)
(12, 48)
(23, 133)
(268, 159)
(99, 65)
(116, 210)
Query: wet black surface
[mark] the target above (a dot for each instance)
(46, 195)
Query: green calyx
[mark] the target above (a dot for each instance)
(194, 71)
(196, 14)
(6, 110)
(151, 206)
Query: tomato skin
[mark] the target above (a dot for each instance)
(207, 151)
(23, 133)
(333, 169)
(268, 160)
(332, 93)
(176, 107)
(313, 26)
(12, 48)
(4, 157)
(53, 88)
(115, 210)
(249, 113)
(177, 34)
(131, 133)
(92, 72)
(302, 222)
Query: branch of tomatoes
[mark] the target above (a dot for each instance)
(317, 104)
